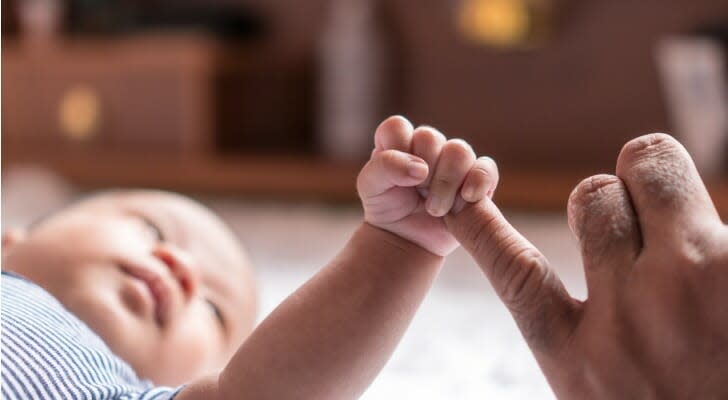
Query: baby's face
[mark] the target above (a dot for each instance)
(157, 276)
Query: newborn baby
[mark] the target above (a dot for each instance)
(159, 277)
(131, 289)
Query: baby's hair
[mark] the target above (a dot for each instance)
(76, 199)
(72, 202)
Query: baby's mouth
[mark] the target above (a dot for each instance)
(157, 287)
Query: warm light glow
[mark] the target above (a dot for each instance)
(79, 113)
(495, 22)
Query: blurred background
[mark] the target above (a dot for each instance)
(281, 98)
(265, 111)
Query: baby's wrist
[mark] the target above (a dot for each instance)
(438, 242)
(385, 243)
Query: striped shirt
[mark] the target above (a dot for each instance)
(48, 353)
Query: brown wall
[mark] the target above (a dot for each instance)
(571, 102)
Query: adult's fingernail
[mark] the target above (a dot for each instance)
(417, 169)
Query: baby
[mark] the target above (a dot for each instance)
(126, 291)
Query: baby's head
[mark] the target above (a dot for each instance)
(159, 277)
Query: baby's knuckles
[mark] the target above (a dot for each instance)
(405, 220)
(459, 150)
(393, 133)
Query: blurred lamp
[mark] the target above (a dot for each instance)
(508, 23)
(79, 113)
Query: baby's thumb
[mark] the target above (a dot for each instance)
(520, 274)
(387, 169)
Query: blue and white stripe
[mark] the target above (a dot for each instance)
(48, 353)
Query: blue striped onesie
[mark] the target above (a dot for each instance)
(48, 353)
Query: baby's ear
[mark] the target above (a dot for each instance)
(11, 237)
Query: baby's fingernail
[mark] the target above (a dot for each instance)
(417, 169)
(468, 193)
(433, 205)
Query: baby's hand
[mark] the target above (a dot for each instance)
(415, 177)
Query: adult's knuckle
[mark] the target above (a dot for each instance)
(536, 318)
(647, 147)
(523, 274)
(591, 188)
(477, 233)
(594, 184)
(601, 215)
(660, 166)
(700, 248)
(588, 196)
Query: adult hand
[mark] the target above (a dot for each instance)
(655, 253)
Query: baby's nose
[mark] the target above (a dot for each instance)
(181, 266)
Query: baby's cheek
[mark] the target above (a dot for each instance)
(197, 346)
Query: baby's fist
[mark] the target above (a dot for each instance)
(416, 176)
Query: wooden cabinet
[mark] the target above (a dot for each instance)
(150, 95)
(174, 112)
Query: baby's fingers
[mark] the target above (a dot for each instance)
(387, 169)
(456, 159)
(394, 133)
(481, 181)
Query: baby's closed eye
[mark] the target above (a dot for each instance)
(217, 313)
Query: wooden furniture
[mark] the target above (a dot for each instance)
(186, 112)
(571, 102)
(170, 94)
(150, 95)
(165, 111)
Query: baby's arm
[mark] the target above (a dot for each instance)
(331, 337)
